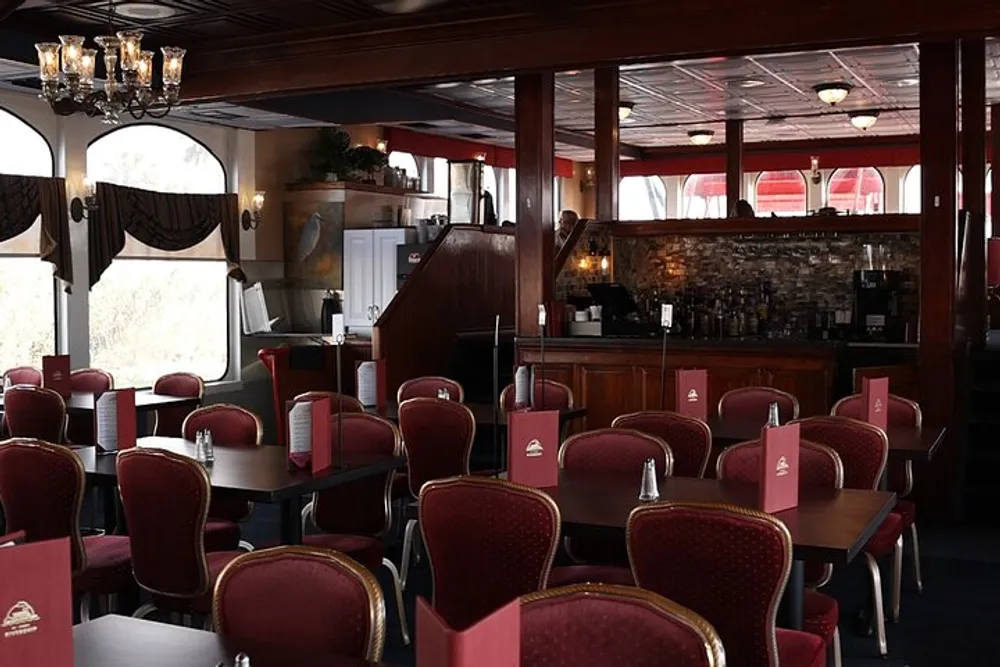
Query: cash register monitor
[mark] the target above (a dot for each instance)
(615, 301)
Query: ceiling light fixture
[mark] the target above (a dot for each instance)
(833, 93)
(751, 83)
(625, 110)
(701, 137)
(863, 119)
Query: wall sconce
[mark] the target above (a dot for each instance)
(587, 182)
(81, 208)
(481, 157)
(382, 146)
(817, 178)
(251, 218)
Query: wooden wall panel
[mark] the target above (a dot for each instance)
(607, 391)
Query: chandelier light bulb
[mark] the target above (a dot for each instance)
(48, 61)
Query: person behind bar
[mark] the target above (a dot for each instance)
(567, 220)
(742, 209)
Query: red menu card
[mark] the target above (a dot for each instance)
(875, 394)
(36, 605)
(309, 435)
(55, 374)
(494, 641)
(114, 422)
(533, 447)
(692, 393)
(779, 475)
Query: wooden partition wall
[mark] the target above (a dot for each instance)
(463, 282)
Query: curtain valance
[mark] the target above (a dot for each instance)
(22, 200)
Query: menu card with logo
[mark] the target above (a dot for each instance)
(494, 641)
(533, 447)
(36, 605)
(114, 423)
(779, 477)
(875, 394)
(309, 435)
(692, 393)
(55, 374)
(372, 384)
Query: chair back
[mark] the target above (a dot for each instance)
(753, 404)
(820, 466)
(42, 487)
(437, 436)
(338, 402)
(23, 375)
(728, 564)
(317, 600)
(91, 380)
(360, 507)
(547, 395)
(35, 412)
(689, 438)
(615, 450)
(169, 420)
(595, 625)
(231, 425)
(428, 387)
(488, 542)
(901, 412)
(862, 447)
(165, 497)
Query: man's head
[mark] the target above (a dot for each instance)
(567, 219)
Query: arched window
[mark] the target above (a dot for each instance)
(704, 196)
(406, 162)
(781, 193)
(912, 189)
(27, 289)
(154, 312)
(859, 191)
(642, 198)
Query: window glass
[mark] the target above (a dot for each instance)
(704, 196)
(642, 198)
(440, 174)
(781, 193)
(510, 213)
(989, 203)
(860, 191)
(406, 162)
(154, 316)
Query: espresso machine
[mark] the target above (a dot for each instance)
(876, 306)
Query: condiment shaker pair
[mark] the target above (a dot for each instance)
(204, 448)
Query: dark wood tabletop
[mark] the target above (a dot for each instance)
(120, 641)
(904, 442)
(483, 412)
(827, 526)
(82, 402)
(258, 474)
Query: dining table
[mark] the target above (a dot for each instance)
(82, 402)
(485, 414)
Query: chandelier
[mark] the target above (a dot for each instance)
(67, 69)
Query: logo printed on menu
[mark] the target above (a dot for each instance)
(534, 449)
(692, 396)
(878, 405)
(57, 375)
(20, 620)
(782, 468)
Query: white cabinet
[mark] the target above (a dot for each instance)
(370, 272)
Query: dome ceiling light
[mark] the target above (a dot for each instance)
(625, 110)
(833, 93)
(701, 137)
(863, 119)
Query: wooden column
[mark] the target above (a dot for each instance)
(972, 293)
(606, 158)
(939, 207)
(734, 162)
(994, 163)
(535, 158)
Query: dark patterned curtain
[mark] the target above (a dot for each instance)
(160, 220)
(24, 198)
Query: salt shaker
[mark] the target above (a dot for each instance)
(444, 394)
(209, 447)
(199, 447)
(772, 415)
(649, 490)
(242, 660)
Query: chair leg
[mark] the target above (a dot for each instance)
(897, 578)
(407, 549)
(145, 610)
(836, 648)
(85, 601)
(916, 558)
(879, 620)
(306, 513)
(398, 586)
(245, 546)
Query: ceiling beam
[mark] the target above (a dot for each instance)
(7, 7)
(634, 30)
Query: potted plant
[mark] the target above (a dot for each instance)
(367, 160)
(329, 160)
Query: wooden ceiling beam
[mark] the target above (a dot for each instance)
(7, 7)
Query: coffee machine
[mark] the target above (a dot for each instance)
(876, 306)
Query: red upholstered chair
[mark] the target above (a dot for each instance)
(165, 497)
(354, 516)
(899, 474)
(594, 625)
(548, 395)
(819, 467)
(753, 403)
(437, 437)
(231, 426)
(42, 487)
(338, 402)
(35, 412)
(316, 600)
(689, 438)
(22, 375)
(170, 420)
(488, 542)
(698, 555)
(427, 387)
(80, 428)
(863, 449)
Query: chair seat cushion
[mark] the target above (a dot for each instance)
(906, 509)
(820, 614)
(368, 551)
(217, 562)
(109, 565)
(884, 539)
(800, 649)
(595, 574)
(221, 535)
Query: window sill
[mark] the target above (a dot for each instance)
(222, 387)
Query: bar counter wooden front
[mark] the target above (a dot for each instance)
(615, 376)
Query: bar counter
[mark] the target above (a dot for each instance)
(613, 376)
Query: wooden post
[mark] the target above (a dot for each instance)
(972, 297)
(734, 162)
(535, 158)
(606, 157)
(994, 163)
